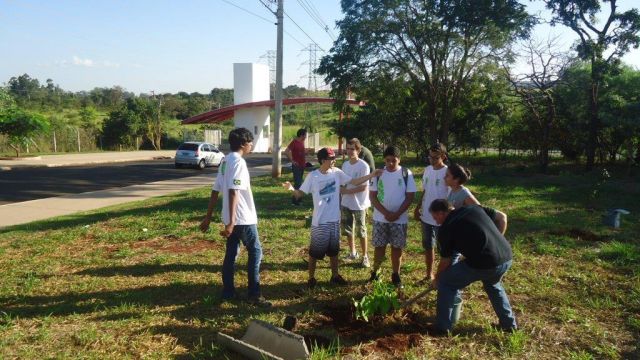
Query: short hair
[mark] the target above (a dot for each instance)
(460, 173)
(440, 205)
(391, 151)
(355, 142)
(440, 148)
(238, 137)
(301, 132)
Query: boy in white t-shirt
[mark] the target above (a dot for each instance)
(238, 216)
(324, 184)
(355, 202)
(433, 187)
(391, 195)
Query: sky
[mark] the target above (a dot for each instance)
(170, 46)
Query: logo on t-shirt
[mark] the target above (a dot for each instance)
(380, 190)
(236, 181)
(400, 182)
(328, 187)
(437, 182)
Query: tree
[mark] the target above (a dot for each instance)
(435, 46)
(20, 126)
(617, 36)
(536, 90)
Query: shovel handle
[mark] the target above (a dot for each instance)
(417, 297)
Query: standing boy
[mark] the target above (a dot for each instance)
(391, 195)
(355, 202)
(296, 154)
(238, 216)
(324, 184)
(433, 187)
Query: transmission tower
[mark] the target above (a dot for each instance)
(270, 57)
(312, 77)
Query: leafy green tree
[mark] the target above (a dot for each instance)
(127, 123)
(6, 101)
(601, 46)
(20, 126)
(25, 89)
(221, 97)
(436, 46)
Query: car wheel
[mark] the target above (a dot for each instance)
(201, 164)
(178, 166)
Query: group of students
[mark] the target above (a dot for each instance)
(448, 212)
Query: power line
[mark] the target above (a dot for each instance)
(315, 16)
(296, 24)
(248, 11)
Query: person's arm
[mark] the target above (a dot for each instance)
(287, 153)
(204, 225)
(417, 211)
(471, 200)
(408, 199)
(296, 193)
(373, 195)
(500, 219)
(233, 202)
(444, 263)
(363, 179)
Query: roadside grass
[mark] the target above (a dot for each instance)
(98, 285)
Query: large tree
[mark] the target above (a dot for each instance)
(436, 46)
(602, 44)
(20, 126)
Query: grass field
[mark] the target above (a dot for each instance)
(98, 285)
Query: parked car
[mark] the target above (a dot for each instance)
(198, 154)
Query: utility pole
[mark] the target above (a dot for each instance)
(276, 169)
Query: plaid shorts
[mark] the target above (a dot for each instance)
(389, 233)
(325, 240)
(353, 223)
(429, 235)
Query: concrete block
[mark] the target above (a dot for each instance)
(265, 341)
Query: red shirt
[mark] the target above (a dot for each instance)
(297, 152)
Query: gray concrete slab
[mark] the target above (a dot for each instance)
(86, 158)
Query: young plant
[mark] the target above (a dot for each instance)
(380, 301)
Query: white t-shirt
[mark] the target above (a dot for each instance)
(234, 174)
(434, 188)
(357, 201)
(392, 192)
(325, 189)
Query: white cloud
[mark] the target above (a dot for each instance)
(82, 62)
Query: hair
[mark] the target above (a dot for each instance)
(391, 151)
(238, 137)
(301, 132)
(440, 148)
(440, 205)
(355, 142)
(459, 173)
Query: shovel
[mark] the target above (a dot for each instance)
(407, 303)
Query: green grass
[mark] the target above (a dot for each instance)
(95, 285)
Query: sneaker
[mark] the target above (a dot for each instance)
(374, 276)
(395, 279)
(311, 283)
(259, 301)
(434, 331)
(365, 262)
(507, 330)
(352, 257)
(339, 280)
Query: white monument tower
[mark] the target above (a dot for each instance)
(251, 84)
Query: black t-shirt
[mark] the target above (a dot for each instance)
(470, 231)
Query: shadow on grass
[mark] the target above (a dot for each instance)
(149, 269)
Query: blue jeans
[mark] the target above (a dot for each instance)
(248, 235)
(460, 275)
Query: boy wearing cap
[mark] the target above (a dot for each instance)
(324, 185)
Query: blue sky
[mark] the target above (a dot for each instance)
(161, 45)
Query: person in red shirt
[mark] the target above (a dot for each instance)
(296, 154)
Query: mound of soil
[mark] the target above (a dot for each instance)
(576, 233)
(393, 334)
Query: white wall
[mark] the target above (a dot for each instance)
(250, 84)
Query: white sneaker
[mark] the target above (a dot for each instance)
(352, 257)
(365, 262)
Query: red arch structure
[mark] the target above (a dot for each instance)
(226, 113)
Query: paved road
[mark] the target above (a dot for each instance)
(23, 184)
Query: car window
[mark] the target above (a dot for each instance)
(205, 147)
(187, 146)
(214, 148)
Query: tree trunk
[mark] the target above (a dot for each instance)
(55, 143)
(78, 136)
(594, 123)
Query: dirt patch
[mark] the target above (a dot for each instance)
(393, 334)
(580, 234)
(175, 245)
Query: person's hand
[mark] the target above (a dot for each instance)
(391, 216)
(287, 186)
(417, 213)
(378, 172)
(204, 225)
(434, 283)
(228, 229)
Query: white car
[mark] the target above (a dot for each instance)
(198, 154)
